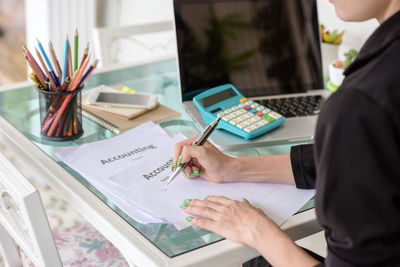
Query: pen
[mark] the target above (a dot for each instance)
(201, 139)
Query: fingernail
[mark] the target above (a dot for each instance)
(173, 167)
(205, 198)
(186, 202)
(183, 206)
(189, 218)
(245, 200)
(196, 173)
(179, 161)
(187, 175)
(201, 172)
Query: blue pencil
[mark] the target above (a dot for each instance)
(45, 56)
(64, 71)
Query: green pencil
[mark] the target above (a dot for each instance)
(76, 51)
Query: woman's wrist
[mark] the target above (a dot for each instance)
(270, 169)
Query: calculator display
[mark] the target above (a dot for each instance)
(211, 100)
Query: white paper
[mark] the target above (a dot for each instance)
(136, 182)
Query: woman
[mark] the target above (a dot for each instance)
(354, 164)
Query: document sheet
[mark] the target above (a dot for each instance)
(131, 170)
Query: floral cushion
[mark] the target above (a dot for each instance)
(83, 245)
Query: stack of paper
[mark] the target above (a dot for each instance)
(131, 171)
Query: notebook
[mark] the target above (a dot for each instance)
(270, 50)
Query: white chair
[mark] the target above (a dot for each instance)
(135, 44)
(25, 235)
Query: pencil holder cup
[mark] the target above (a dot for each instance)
(60, 115)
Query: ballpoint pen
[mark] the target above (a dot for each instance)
(200, 140)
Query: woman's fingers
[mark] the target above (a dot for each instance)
(179, 146)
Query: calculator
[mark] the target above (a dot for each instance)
(239, 115)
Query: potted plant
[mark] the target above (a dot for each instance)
(330, 46)
(337, 68)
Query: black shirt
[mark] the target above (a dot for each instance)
(355, 161)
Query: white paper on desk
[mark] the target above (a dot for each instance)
(148, 190)
(86, 160)
(105, 158)
(137, 186)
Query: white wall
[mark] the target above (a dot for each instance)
(53, 19)
(356, 33)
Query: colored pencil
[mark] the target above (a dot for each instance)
(76, 50)
(53, 86)
(81, 70)
(32, 59)
(88, 73)
(64, 71)
(70, 67)
(55, 61)
(67, 99)
(44, 55)
(85, 54)
(36, 71)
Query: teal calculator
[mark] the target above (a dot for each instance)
(239, 115)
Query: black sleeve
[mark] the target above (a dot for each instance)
(357, 157)
(303, 166)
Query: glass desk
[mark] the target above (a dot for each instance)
(160, 244)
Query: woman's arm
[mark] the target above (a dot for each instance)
(211, 164)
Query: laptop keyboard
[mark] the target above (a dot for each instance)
(294, 106)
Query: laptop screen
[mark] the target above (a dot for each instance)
(263, 47)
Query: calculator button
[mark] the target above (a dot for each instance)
(242, 100)
(247, 108)
(254, 105)
(243, 117)
(241, 111)
(221, 114)
(275, 115)
(254, 119)
(229, 110)
(250, 128)
(260, 108)
(242, 105)
(247, 115)
(235, 108)
(268, 118)
(266, 110)
(249, 102)
(253, 111)
(259, 114)
(227, 117)
(263, 122)
(235, 114)
(243, 124)
(258, 124)
(235, 121)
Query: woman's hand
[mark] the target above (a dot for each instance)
(206, 161)
(242, 223)
(237, 221)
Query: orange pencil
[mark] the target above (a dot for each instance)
(81, 70)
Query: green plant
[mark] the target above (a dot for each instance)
(333, 37)
(349, 57)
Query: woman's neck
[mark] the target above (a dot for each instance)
(391, 9)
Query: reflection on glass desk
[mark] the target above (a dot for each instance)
(20, 108)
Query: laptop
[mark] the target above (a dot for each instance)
(269, 49)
